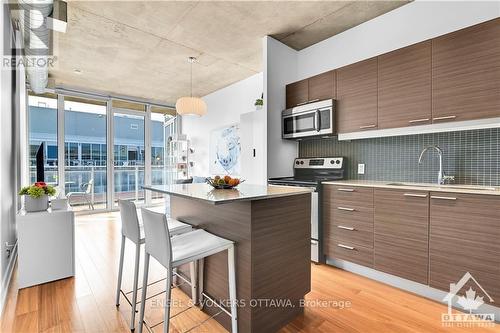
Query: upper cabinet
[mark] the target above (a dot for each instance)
(404, 87)
(357, 96)
(466, 73)
(454, 77)
(322, 86)
(314, 89)
(297, 93)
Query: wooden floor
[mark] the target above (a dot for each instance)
(86, 303)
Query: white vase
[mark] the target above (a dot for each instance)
(36, 204)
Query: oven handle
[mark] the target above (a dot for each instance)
(318, 121)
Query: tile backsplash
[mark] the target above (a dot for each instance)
(473, 157)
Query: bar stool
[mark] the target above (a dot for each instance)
(173, 252)
(132, 230)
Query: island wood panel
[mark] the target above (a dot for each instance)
(281, 258)
(404, 87)
(297, 93)
(466, 73)
(401, 228)
(322, 86)
(357, 96)
(465, 237)
(272, 239)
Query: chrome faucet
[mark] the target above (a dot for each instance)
(442, 178)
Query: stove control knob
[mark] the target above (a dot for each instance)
(301, 162)
(332, 161)
(338, 162)
(297, 162)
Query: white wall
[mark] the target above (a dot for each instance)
(406, 25)
(224, 108)
(280, 68)
(409, 24)
(9, 156)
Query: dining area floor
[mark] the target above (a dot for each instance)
(338, 302)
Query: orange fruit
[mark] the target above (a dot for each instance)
(227, 179)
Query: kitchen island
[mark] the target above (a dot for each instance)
(271, 228)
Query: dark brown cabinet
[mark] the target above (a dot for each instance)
(404, 87)
(314, 89)
(357, 96)
(297, 93)
(401, 226)
(465, 237)
(466, 73)
(348, 223)
(322, 86)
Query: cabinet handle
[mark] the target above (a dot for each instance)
(345, 228)
(345, 189)
(345, 247)
(418, 120)
(345, 208)
(415, 195)
(444, 118)
(442, 198)
(313, 100)
(367, 126)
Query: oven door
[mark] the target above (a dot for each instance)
(308, 123)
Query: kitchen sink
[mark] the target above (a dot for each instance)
(450, 186)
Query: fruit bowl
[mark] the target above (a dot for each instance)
(225, 182)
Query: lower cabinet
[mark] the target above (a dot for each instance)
(401, 229)
(348, 223)
(433, 238)
(465, 237)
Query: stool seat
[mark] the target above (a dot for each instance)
(195, 245)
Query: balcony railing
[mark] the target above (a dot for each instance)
(127, 181)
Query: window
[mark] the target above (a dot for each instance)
(86, 151)
(42, 128)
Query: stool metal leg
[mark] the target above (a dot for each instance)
(168, 292)
(193, 279)
(136, 278)
(144, 287)
(201, 265)
(232, 289)
(120, 271)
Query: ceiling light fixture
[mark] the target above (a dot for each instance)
(192, 106)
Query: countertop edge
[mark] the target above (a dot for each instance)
(304, 190)
(378, 184)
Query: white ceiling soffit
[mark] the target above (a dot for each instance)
(140, 48)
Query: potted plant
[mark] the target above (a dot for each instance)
(36, 196)
(259, 102)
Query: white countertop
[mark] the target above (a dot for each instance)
(452, 188)
(243, 192)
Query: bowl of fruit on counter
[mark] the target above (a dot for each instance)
(225, 182)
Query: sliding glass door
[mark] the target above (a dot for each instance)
(85, 153)
(101, 150)
(128, 155)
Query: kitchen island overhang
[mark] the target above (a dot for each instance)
(271, 228)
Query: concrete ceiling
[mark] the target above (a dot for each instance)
(140, 48)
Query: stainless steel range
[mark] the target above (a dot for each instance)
(311, 172)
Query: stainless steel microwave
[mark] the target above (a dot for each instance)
(313, 119)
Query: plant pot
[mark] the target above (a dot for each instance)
(36, 204)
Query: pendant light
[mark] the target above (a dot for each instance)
(192, 106)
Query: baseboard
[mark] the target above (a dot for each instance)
(6, 279)
(404, 284)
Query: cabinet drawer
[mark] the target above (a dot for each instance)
(355, 233)
(352, 195)
(351, 252)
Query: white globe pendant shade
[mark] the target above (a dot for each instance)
(191, 106)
